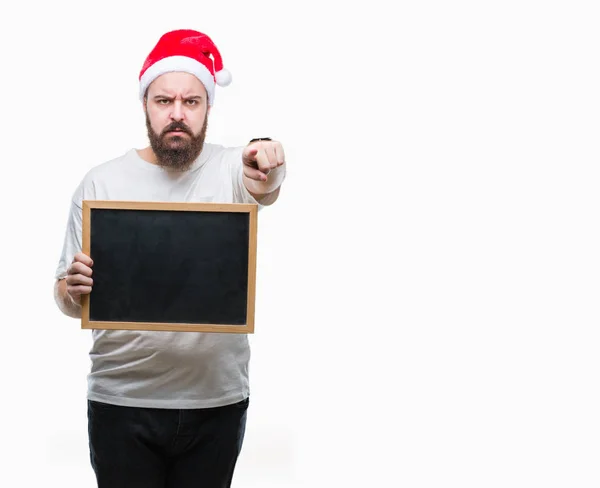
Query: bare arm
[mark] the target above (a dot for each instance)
(263, 192)
(65, 303)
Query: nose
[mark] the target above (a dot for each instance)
(177, 113)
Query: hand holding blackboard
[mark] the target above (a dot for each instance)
(79, 277)
(169, 266)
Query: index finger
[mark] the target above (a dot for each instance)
(262, 161)
(83, 258)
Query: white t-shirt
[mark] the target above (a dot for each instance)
(155, 368)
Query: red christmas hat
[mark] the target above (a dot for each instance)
(189, 51)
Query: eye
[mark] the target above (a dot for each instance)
(162, 101)
(192, 102)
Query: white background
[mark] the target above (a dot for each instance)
(427, 298)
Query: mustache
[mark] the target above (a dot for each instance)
(177, 126)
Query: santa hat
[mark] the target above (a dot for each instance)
(189, 51)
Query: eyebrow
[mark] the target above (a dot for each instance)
(193, 97)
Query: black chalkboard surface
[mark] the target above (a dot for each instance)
(170, 266)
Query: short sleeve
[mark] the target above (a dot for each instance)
(73, 234)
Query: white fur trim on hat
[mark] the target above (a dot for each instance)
(179, 63)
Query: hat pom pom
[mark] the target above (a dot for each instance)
(223, 77)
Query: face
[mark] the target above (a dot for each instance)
(176, 107)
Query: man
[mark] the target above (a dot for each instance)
(168, 409)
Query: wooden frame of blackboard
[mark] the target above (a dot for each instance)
(250, 209)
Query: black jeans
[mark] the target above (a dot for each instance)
(160, 448)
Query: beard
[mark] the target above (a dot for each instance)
(176, 152)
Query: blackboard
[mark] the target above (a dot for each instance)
(170, 266)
